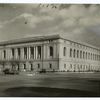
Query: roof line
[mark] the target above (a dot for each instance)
(41, 38)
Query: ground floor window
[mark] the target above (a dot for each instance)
(24, 66)
(18, 67)
(50, 66)
(38, 65)
(31, 66)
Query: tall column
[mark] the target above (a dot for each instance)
(47, 51)
(36, 52)
(54, 51)
(6, 54)
(10, 54)
(16, 53)
(27, 53)
(2, 54)
(42, 52)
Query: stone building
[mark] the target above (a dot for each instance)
(51, 53)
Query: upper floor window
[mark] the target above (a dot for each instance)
(32, 50)
(4, 54)
(51, 51)
(80, 54)
(64, 51)
(25, 52)
(39, 51)
(70, 52)
(13, 52)
(74, 53)
(86, 55)
(77, 53)
(18, 51)
(83, 55)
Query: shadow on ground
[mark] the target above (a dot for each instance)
(47, 92)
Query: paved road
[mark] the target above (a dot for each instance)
(77, 81)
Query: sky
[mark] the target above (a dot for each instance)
(78, 22)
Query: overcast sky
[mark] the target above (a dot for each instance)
(75, 22)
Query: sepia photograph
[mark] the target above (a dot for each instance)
(49, 50)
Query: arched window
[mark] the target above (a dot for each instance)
(80, 54)
(64, 51)
(86, 55)
(77, 53)
(51, 51)
(74, 53)
(70, 52)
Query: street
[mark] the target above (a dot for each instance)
(50, 84)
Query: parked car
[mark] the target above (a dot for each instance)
(12, 72)
(42, 71)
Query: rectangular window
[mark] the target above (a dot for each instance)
(13, 52)
(25, 52)
(32, 52)
(51, 51)
(39, 52)
(64, 51)
(18, 52)
(4, 54)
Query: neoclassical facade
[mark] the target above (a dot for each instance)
(52, 53)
